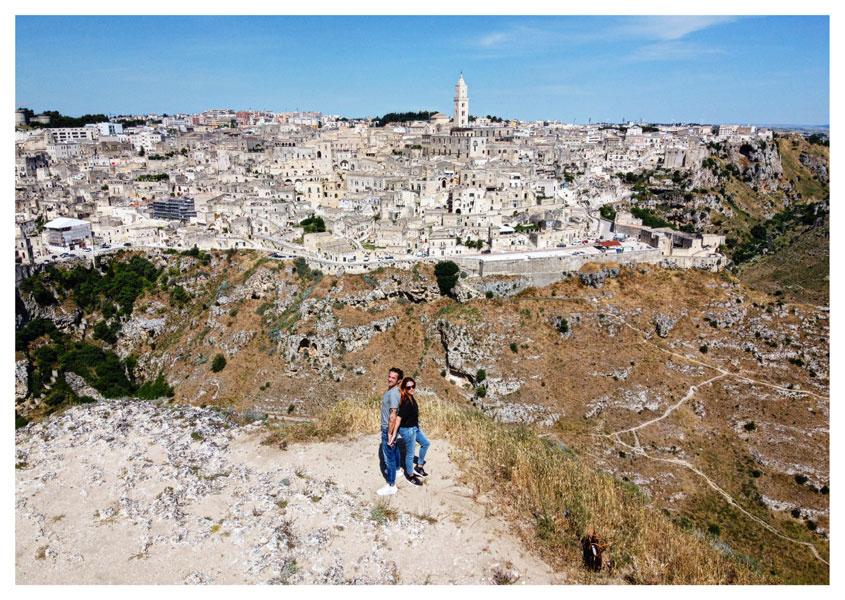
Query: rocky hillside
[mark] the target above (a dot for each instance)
(761, 196)
(710, 397)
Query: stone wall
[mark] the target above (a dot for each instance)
(549, 269)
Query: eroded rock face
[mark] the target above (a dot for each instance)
(464, 355)
(518, 412)
(21, 380)
(761, 163)
(498, 286)
(67, 320)
(80, 388)
(817, 165)
(596, 279)
(663, 324)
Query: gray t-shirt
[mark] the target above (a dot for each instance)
(388, 401)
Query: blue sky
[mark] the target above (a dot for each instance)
(712, 69)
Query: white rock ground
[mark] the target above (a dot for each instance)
(126, 492)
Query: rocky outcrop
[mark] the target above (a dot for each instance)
(64, 318)
(663, 324)
(759, 162)
(320, 348)
(410, 286)
(518, 412)
(464, 355)
(499, 286)
(21, 380)
(81, 388)
(816, 165)
(595, 277)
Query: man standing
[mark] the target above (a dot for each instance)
(389, 408)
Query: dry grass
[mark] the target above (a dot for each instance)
(537, 483)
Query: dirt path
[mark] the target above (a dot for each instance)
(677, 461)
(637, 449)
(127, 493)
(693, 389)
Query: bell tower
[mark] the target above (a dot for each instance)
(461, 115)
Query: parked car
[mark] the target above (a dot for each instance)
(127, 245)
(86, 249)
(486, 251)
(104, 246)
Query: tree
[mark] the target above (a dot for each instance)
(141, 152)
(218, 363)
(608, 212)
(313, 224)
(446, 272)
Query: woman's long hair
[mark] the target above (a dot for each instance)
(404, 395)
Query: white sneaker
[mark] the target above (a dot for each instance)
(387, 490)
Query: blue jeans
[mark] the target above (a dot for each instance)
(391, 458)
(413, 436)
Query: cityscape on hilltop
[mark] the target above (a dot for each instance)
(350, 195)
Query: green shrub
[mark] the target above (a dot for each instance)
(159, 388)
(514, 348)
(102, 331)
(489, 295)
(218, 363)
(480, 375)
(33, 330)
(564, 326)
(714, 530)
(179, 296)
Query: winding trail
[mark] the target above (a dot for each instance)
(641, 452)
(693, 389)
(638, 449)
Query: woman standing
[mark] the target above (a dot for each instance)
(409, 429)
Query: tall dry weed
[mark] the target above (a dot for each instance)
(553, 498)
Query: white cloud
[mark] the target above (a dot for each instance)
(673, 50)
(493, 39)
(670, 27)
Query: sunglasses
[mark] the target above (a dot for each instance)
(410, 387)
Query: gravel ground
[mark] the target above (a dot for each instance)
(127, 492)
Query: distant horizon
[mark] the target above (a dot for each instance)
(701, 69)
